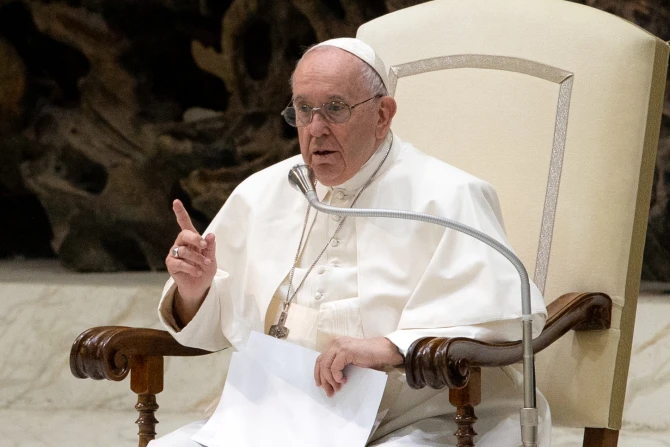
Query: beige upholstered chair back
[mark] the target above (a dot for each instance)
(558, 106)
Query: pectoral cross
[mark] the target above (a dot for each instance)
(279, 330)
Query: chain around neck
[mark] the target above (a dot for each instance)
(289, 295)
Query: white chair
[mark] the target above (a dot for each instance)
(558, 105)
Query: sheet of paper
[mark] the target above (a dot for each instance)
(270, 399)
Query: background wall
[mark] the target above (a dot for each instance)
(110, 109)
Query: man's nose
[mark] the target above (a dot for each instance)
(319, 125)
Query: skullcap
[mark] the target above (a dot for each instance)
(361, 50)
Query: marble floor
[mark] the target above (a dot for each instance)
(41, 404)
(84, 429)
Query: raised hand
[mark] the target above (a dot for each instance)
(191, 263)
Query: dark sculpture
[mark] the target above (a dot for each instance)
(109, 110)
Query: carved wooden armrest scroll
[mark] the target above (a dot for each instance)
(111, 352)
(440, 362)
(106, 352)
(456, 362)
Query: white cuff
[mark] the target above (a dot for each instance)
(491, 332)
(204, 330)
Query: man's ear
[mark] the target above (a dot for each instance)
(387, 111)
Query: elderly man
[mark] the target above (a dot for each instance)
(360, 291)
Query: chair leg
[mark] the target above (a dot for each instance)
(600, 437)
(465, 400)
(146, 406)
(146, 379)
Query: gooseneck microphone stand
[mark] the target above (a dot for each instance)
(302, 178)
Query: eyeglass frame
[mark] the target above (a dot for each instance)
(324, 115)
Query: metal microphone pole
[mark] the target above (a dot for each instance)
(301, 177)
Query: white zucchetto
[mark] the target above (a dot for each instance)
(361, 50)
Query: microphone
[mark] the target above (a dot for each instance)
(302, 178)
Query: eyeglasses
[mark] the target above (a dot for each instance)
(335, 112)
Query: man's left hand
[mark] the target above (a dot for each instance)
(367, 353)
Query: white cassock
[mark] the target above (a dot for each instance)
(378, 277)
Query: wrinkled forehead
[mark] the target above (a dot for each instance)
(328, 71)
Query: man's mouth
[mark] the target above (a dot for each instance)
(322, 153)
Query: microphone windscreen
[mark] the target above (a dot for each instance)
(302, 178)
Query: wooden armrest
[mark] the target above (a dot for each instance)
(104, 352)
(440, 362)
(111, 352)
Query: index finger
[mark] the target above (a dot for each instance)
(317, 368)
(183, 219)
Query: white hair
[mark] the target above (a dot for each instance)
(370, 79)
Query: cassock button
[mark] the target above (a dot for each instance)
(339, 195)
(334, 243)
(337, 218)
(318, 296)
(321, 270)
